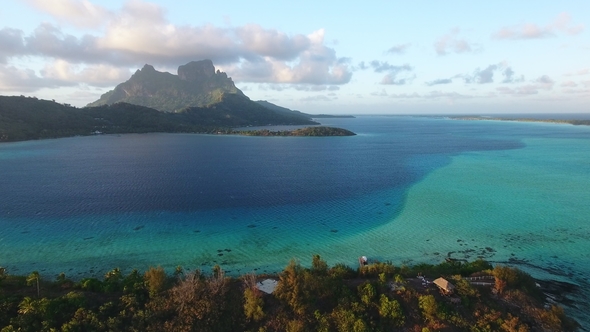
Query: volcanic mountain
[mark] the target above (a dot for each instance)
(196, 85)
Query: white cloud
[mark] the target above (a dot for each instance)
(398, 49)
(12, 43)
(320, 98)
(272, 43)
(440, 81)
(486, 75)
(542, 83)
(139, 33)
(395, 75)
(95, 75)
(381, 93)
(79, 13)
(317, 64)
(434, 94)
(60, 74)
(580, 72)
(413, 95)
(298, 87)
(562, 23)
(24, 80)
(449, 95)
(450, 43)
(577, 91)
(569, 84)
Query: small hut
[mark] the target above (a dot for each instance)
(445, 287)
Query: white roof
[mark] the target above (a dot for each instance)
(268, 286)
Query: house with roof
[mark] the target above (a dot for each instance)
(445, 287)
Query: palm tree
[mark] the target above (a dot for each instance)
(26, 306)
(178, 271)
(32, 278)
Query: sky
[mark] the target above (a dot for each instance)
(345, 57)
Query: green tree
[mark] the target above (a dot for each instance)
(253, 304)
(27, 306)
(83, 320)
(344, 319)
(34, 278)
(512, 324)
(391, 310)
(290, 287)
(155, 278)
(295, 325)
(2, 273)
(134, 283)
(429, 306)
(319, 266)
(112, 280)
(367, 293)
(61, 278)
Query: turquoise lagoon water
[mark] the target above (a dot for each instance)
(405, 189)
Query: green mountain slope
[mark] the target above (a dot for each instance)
(280, 109)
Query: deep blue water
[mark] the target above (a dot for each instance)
(182, 172)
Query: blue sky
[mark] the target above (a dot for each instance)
(314, 56)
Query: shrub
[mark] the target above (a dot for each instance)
(341, 271)
(155, 278)
(91, 284)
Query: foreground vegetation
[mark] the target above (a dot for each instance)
(319, 298)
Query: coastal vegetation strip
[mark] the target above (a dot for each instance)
(309, 131)
(375, 297)
(560, 121)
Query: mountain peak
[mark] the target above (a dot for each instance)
(196, 70)
(197, 84)
(147, 67)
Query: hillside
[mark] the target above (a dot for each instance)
(23, 118)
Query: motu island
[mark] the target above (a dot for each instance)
(309, 131)
(487, 118)
(452, 296)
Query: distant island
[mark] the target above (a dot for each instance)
(309, 131)
(330, 116)
(198, 99)
(485, 118)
